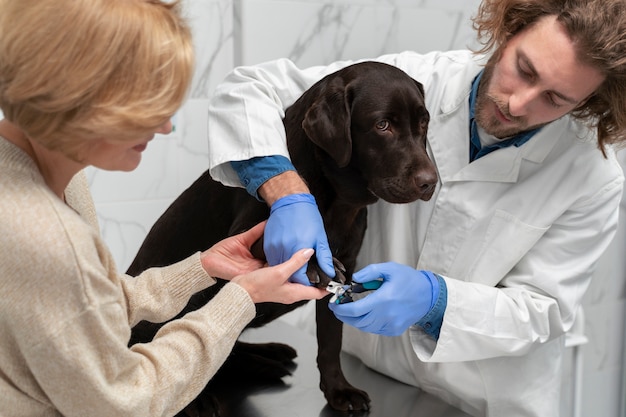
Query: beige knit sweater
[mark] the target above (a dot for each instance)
(66, 313)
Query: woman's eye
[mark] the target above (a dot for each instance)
(382, 124)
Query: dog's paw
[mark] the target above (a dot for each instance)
(319, 279)
(274, 352)
(345, 397)
(257, 362)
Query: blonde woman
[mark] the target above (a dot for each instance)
(89, 82)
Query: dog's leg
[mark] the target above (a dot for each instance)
(339, 393)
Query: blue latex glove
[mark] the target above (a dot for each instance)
(295, 223)
(405, 296)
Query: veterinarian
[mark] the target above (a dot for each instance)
(482, 282)
(90, 83)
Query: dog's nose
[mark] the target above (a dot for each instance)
(426, 179)
(425, 188)
(426, 182)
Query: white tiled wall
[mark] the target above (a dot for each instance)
(311, 32)
(318, 32)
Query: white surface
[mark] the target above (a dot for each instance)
(301, 396)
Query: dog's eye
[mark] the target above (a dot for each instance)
(382, 124)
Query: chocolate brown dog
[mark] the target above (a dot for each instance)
(356, 136)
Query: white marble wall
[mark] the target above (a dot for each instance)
(234, 32)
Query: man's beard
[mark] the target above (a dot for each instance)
(484, 116)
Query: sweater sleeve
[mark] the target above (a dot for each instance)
(158, 294)
(88, 358)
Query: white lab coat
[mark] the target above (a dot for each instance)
(515, 234)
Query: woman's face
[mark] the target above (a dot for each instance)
(118, 155)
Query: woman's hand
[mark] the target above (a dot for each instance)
(231, 256)
(271, 284)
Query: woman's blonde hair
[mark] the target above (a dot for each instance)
(74, 70)
(598, 30)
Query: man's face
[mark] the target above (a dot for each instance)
(536, 80)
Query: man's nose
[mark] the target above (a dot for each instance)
(520, 102)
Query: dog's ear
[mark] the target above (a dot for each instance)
(420, 87)
(327, 122)
(424, 121)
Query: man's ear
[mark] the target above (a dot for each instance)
(327, 122)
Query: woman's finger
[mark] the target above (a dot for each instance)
(297, 260)
(252, 235)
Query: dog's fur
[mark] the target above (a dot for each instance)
(355, 136)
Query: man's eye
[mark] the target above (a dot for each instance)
(551, 100)
(382, 124)
(525, 74)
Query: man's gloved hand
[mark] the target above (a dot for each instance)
(295, 223)
(405, 296)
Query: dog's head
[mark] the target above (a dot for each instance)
(371, 118)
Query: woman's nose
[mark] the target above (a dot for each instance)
(165, 128)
